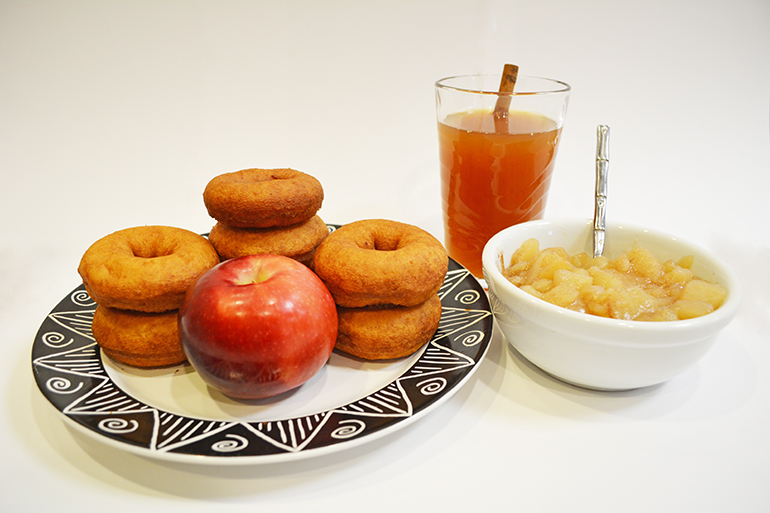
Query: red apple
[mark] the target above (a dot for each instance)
(257, 326)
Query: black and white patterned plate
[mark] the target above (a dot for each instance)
(89, 390)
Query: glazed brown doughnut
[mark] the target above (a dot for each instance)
(140, 339)
(297, 241)
(261, 198)
(147, 268)
(376, 333)
(377, 262)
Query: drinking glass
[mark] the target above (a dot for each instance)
(496, 167)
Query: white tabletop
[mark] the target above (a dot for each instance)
(117, 114)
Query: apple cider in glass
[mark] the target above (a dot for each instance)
(492, 180)
(494, 177)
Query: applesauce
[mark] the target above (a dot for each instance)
(633, 286)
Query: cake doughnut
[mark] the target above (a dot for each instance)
(140, 339)
(297, 241)
(147, 268)
(377, 261)
(261, 198)
(377, 333)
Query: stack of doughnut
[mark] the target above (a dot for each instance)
(266, 211)
(384, 277)
(138, 278)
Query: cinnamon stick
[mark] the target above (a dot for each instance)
(507, 83)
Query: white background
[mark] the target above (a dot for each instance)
(117, 113)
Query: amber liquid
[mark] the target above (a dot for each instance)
(492, 180)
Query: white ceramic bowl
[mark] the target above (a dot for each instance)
(596, 352)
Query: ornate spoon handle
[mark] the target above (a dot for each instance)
(602, 168)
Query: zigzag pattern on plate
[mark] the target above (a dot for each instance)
(78, 321)
(291, 435)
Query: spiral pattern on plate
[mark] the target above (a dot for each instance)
(467, 297)
(121, 426)
(81, 298)
(431, 386)
(235, 443)
(471, 338)
(55, 339)
(349, 430)
(62, 385)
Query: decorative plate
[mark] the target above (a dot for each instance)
(170, 414)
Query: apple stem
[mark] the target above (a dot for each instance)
(253, 276)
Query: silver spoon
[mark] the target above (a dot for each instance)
(600, 203)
